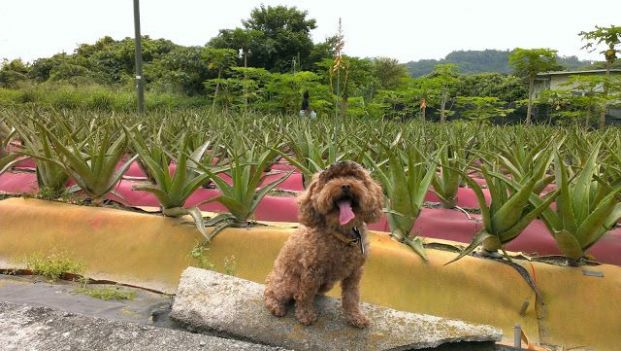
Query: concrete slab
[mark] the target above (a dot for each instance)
(231, 306)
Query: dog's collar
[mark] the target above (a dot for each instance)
(352, 238)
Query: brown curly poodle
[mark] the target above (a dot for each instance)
(330, 245)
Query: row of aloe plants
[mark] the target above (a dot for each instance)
(409, 159)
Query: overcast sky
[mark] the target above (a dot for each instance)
(406, 30)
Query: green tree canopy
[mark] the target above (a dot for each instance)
(611, 36)
(389, 72)
(441, 85)
(503, 86)
(12, 72)
(358, 77)
(273, 37)
(527, 63)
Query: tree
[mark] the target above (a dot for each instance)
(240, 39)
(253, 82)
(442, 84)
(482, 109)
(611, 37)
(219, 60)
(41, 68)
(389, 72)
(11, 72)
(273, 37)
(585, 96)
(358, 77)
(182, 70)
(70, 73)
(503, 86)
(321, 52)
(396, 104)
(527, 63)
(426, 92)
(285, 92)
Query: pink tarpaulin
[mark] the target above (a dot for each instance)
(25, 163)
(293, 183)
(18, 183)
(466, 197)
(446, 224)
(134, 171)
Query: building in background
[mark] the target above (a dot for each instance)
(558, 80)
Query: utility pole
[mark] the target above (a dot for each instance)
(138, 39)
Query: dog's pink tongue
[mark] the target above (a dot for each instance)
(345, 212)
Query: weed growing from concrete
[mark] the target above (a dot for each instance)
(199, 254)
(52, 266)
(230, 265)
(107, 293)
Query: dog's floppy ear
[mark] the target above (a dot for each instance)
(373, 210)
(308, 214)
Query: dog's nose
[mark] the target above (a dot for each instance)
(346, 188)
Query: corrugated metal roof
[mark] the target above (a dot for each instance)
(568, 73)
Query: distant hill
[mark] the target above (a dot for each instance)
(478, 61)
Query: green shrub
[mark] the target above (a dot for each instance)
(27, 96)
(101, 101)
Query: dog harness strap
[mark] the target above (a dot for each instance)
(354, 238)
(358, 239)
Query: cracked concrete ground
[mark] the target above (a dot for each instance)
(38, 315)
(24, 327)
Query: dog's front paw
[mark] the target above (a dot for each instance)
(358, 320)
(275, 307)
(306, 317)
(277, 310)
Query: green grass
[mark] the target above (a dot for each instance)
(93, 97)
(53, 266)
(107, 293)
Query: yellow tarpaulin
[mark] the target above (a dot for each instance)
(578, 306)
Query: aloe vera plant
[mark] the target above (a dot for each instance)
(586, 208)
(446, 183)
(242, 197)
(7, 159)
(51, 177)
(172, 191)
(310, 147)
(513, 206)
(310, 156)
(405, 179)
(92, 161)
(519, 160)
